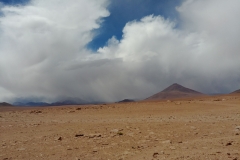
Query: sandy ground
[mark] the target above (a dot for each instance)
(204, 128)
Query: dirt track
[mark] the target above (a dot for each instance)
(206, 128)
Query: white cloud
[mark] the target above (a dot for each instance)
(39, 40)
(43, 54)
(203, 52)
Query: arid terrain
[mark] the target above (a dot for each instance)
(193, 128)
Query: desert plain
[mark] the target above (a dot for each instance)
(193, 128)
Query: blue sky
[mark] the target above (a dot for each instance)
(123, 11)
(109, 50)
(13, 2)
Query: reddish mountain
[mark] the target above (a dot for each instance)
(175, 91)
(237, 91)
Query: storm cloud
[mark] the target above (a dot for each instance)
(43, 51)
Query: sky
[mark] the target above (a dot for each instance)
(109, 50)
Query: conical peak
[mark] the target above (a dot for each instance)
(175, 91)
(174, 87)
(177, 87)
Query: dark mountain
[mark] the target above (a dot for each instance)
(4, 104)
(126, 100)
(175, 91)
(66, 102)
(237, 91)
(33, 104)
(72, 101)
(41, 104)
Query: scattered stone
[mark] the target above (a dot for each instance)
(105, 144)
(192, 127)
(36, 112)
(60, 138)
(120, 133)
(94, 135)
(21, 149)
(237, 128)
(91, 136)
(212, 154)
(172, 147)
(79, 135)
(229, 144)
(155, 155)
(78, 109)
(167, 142)
(115, 131)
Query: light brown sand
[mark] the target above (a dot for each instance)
(204, 128)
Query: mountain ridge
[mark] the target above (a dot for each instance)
(174, 91)
(5, 104)
(237, 91)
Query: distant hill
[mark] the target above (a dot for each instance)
(67, 102)
(175, 91)
(4, 104)
(237, 91)
(58, 103)
(126, 100)
(41, 104)
(33, 104)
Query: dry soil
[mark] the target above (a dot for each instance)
(199, 128)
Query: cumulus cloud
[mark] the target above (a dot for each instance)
(40, 40)
(43, 53)
(202, 52)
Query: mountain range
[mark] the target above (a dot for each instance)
(172, 92)
(59, 103)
